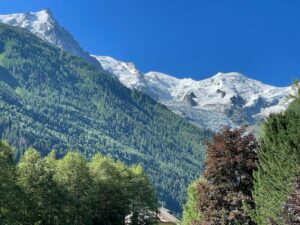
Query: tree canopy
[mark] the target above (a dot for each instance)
(71, 190)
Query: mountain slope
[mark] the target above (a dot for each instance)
(44, 25)
(52, 100)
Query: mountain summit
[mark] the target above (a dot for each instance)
(45, 26)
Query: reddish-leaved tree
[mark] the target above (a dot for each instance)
(292, 207)
(231, 159)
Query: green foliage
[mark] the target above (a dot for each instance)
(52, 100)
(9, 193)
(191, 213)
(110, 190)
(40, 193)
(72, 176)
(142, 210)
(70, 190)
(279, 160)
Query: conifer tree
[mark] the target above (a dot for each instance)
(279, 161)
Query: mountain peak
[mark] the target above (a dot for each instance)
(44, 25)
(28, 19)
(47, 11)
(44, 15)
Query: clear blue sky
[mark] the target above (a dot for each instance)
(195, 38)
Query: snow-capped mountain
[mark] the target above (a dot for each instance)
(230, 99)
(126, 73)
(225, 99)
(44, 25)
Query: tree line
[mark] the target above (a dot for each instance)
(71, 190)
(249, 181)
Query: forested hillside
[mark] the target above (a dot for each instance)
(52, 100)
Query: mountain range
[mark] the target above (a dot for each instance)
(55, 95)
(225, 99)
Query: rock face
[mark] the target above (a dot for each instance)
(230, 99)
(44, 25)
(189, 98)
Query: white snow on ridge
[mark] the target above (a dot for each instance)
(44, 25)
(225, 99)
(125, 72)
(230, 99)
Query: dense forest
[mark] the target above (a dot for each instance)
(52, 100)
(251, 182)
(72, 191)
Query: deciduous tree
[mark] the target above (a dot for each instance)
(231, 160)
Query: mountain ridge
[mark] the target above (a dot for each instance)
(225, 99)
